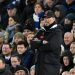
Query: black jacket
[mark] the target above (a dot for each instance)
(49, 54)
(5, 71)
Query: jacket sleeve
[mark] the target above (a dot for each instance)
(37, 41)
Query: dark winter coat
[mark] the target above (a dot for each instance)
(5, 71)
(26, 59)
(48, 54)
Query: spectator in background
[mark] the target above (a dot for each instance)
(17, 37)
(3, 13)
(49, 4)
(18, 28)
(72, 49)
(60, 12)
(15, 60)
(29, 27)
(6, 53)
(11, 10)
(68, 22)
(25, 54)
(4, 70)
(66, 61)
(38, 14)
(12, 23)
(30, 37)
(68, 38)
(20, 70)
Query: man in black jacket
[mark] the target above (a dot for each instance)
(47, 43)
(4, 70)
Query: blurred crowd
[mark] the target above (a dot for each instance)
(20, 20)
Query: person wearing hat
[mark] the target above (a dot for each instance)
(20, 70)
(46, 43)
(11, 9)
(68, 22)
(29, 27)
(3, 13)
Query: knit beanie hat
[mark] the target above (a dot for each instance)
(19, 67)
(70, 16)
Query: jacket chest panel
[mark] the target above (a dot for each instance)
(48, 35)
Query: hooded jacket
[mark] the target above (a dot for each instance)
(70, 65)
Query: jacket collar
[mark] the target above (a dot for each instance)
(54, 26)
